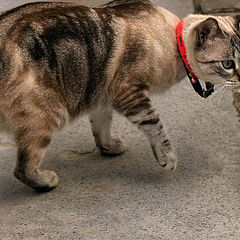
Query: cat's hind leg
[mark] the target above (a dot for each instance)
(27, 169)
(133, 102)
(31, 149)
(100, 120)
(33, 135)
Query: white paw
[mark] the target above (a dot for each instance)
(171, 162)
(116, 147)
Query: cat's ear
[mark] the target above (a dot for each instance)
(207, 30)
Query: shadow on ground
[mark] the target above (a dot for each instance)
(130, 197)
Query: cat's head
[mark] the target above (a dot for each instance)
(213, 48)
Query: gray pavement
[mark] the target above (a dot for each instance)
(130, 197)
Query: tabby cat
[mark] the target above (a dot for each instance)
(61, 60)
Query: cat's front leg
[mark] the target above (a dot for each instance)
(136, 106)
(101, 119)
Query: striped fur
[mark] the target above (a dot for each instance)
(61, 60)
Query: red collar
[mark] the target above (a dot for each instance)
(191, 75)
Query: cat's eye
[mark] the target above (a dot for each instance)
(228, 64)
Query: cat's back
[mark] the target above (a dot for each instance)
(18, 14)
(147, 38)
(132, 10)
(79, 48)
(129, 8)
(33, 25)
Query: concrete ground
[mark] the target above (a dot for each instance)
(130, 197)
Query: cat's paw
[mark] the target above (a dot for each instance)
(170, 162)
(49, 181)
(41, 181)
(116, 148)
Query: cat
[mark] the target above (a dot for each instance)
(59, 61)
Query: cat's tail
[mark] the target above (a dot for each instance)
(115, 3)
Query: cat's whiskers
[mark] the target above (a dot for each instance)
(221, 88)
(229, 85)
(216, 88)
(232, 83)
(222, 93)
